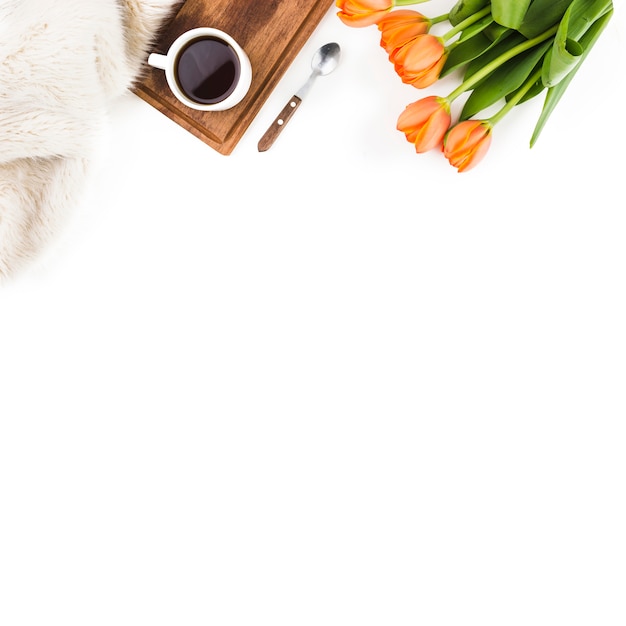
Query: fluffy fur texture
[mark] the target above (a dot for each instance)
(61, 64)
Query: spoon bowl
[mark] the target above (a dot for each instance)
(326, 59)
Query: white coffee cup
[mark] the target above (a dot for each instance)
(206, 69)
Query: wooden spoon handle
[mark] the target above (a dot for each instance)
(278, 124)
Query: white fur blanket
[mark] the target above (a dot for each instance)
(61, 64)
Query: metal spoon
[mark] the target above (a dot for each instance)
(325, 60)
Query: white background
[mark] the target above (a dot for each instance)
(335, 383)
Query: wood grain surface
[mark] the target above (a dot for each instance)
(272, 32)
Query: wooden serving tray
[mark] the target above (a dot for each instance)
(272, 32)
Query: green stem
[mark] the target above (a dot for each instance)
(503, 58)
(467, 22)
(405, 3)
(463, 39)
(521, 92)
(439, 18)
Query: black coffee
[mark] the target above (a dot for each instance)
(207, 70)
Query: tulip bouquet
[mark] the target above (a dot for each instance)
(505, 51)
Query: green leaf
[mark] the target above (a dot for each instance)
(492, 53)
(504, 81)
(470, 48)
(475, 28)
(495, 32)
(583, 13)
(566, 52)
(509, 13)
(464, 9)
(465, 52)
(541, 15)
(561, 58)
(534, 91)
(555, 94)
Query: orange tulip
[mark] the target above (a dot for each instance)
(363, 12)
(399, 27)
(425, 122)
(467, 143)
(420, 61)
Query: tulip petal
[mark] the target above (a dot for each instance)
(419, 62)
(466, 143)
(359, 13)
(425, 122)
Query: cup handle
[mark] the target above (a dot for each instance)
(157, 60)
